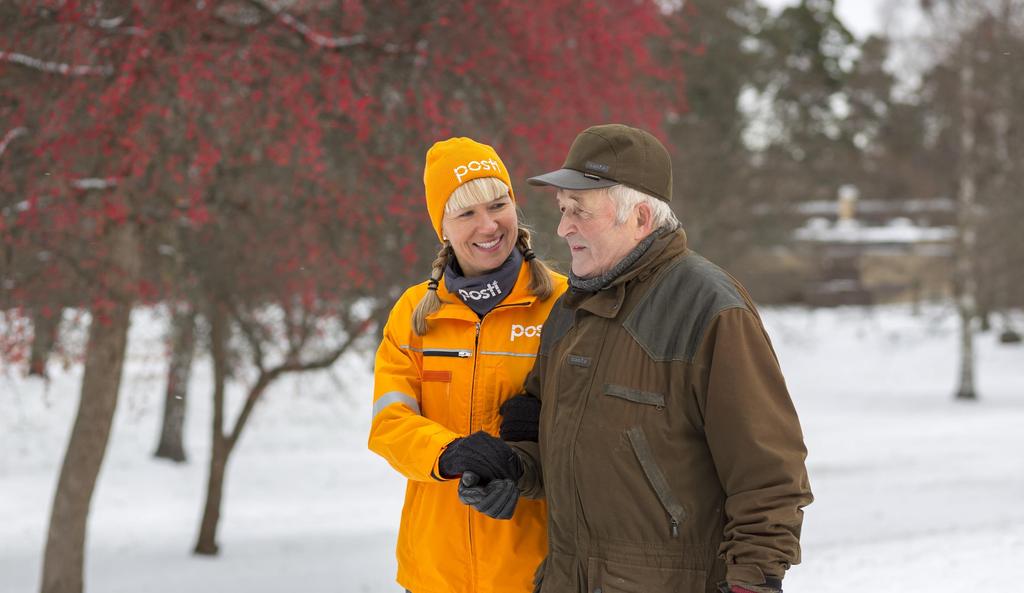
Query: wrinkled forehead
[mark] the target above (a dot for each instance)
(582, 197)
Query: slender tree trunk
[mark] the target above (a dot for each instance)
(967, 300)
(1002, 244)
(64, 556)
(183, 332)
(45, 322)
(224, 442)
(207, 542)
(207, 545)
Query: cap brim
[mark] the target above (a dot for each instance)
(571, 179)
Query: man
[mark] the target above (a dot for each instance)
(669, 450)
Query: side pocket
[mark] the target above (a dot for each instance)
(671, 504)
(638, 396)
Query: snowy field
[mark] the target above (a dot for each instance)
(915, 492)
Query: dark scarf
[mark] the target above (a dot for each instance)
(598, 282)
(482, 293)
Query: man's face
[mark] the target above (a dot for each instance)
(588, 225)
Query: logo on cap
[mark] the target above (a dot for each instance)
(599, 167)
(482, 165)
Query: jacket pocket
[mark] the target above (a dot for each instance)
(436, 387)
(638, 396)
(606, 576)
(656, 478)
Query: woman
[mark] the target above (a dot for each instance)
(454, 349)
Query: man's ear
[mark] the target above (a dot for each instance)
(644, 220)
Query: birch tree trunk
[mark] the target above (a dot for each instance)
(967, 285)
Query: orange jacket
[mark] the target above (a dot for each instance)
(428, 391)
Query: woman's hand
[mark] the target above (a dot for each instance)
(486, 456)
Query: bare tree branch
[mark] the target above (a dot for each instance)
(268, 377)
(10, 136)
(113, 25)
(303, 29)
(55, 67)
(248, 331)
(95, 182)
(110, 23)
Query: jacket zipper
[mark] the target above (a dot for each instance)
(472, 399)
(655, 477)
(445, 352)
(458, 353)
(576, 433)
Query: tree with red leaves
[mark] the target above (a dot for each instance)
(260, 160)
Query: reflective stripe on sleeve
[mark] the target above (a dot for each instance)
(395, 397)
(519, 354)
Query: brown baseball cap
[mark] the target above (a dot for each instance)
(613, 154)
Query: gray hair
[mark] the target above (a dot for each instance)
(626, 198)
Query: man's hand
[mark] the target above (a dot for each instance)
(520, 417)
(486, 456)
(497, 499)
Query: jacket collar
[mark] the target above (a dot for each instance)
(452, 306)
(607, 302)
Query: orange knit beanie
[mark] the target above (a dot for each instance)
(452, 162)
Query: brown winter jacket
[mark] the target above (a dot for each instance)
(670, 454)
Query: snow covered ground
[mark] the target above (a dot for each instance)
(915, 492)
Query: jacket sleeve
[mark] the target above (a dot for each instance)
(531, 484)
(757, 445)
(399, 433)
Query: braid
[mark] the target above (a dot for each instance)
(430, 301)
(540, 273)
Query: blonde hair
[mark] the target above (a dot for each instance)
(471, 193)
(476, 191)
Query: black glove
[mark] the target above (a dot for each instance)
(520, 416)
(486, 456)
(497, 499)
